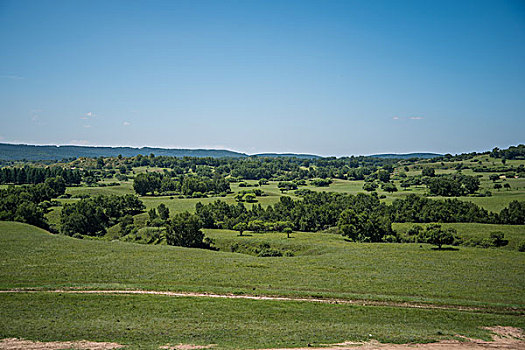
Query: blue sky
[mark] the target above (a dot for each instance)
(323, 77)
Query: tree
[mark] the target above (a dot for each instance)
(363, 226)
(494, 177)
(369, 186)
(164, 212)
(250, 198)
(57, 184)
(430, 172)
(435, 235)
(498, 239)
(514, 214)
(389, 187)
(184, 230)
(153, 214)
(383, 175)
(241, 227)
(288, 231)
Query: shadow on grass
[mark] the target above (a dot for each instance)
(450, 249)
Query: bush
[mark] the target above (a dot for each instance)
(521, 246)
(269, 252)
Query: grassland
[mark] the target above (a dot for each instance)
(324, 266)
(513, 233)
(147, 322)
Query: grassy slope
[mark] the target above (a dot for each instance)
(147, 322)
(513, 233)
(326, 265)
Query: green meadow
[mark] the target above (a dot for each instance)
(150, 321)
(324, 265)
(479, 287)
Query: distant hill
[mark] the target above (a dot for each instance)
(35, 152)
(407, 155)
(279, 155)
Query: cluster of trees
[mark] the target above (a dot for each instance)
(433, 234)
(452, 185)
(360, 217)
(321, 182)
(414, 208)
(93, 215)
(513, 152)
(187, 185)
(27, 203)
(314, 212)
(36, 175)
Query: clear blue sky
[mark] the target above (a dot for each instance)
(323, 77)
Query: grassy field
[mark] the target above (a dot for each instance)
(499, 199)
(324, 266)
(321, 265)
(513, 233)
(147, 322)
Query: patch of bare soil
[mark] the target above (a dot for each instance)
(187, 347)
(504, 338)
(21, 344)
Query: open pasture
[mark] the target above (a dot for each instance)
(324, 265)
(151, 321)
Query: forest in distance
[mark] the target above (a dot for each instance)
(139, 198)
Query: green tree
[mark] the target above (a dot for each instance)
(389, 187)
(369, 186)
(164, 212)
(241, 227)
(430, 172)
(184, 230)
(383, 175)
(435, 235)
(153, 214)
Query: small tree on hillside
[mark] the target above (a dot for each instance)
(435, 235)
(241, 227)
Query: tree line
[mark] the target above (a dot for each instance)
(36, 175)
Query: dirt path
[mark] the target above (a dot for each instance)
(504, 338)
(519, 311)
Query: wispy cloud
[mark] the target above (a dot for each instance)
(86, 126)
(11, 77)
(87, 115)
(126, 123)
(35, 116)
(2, 138)
(410, 118)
